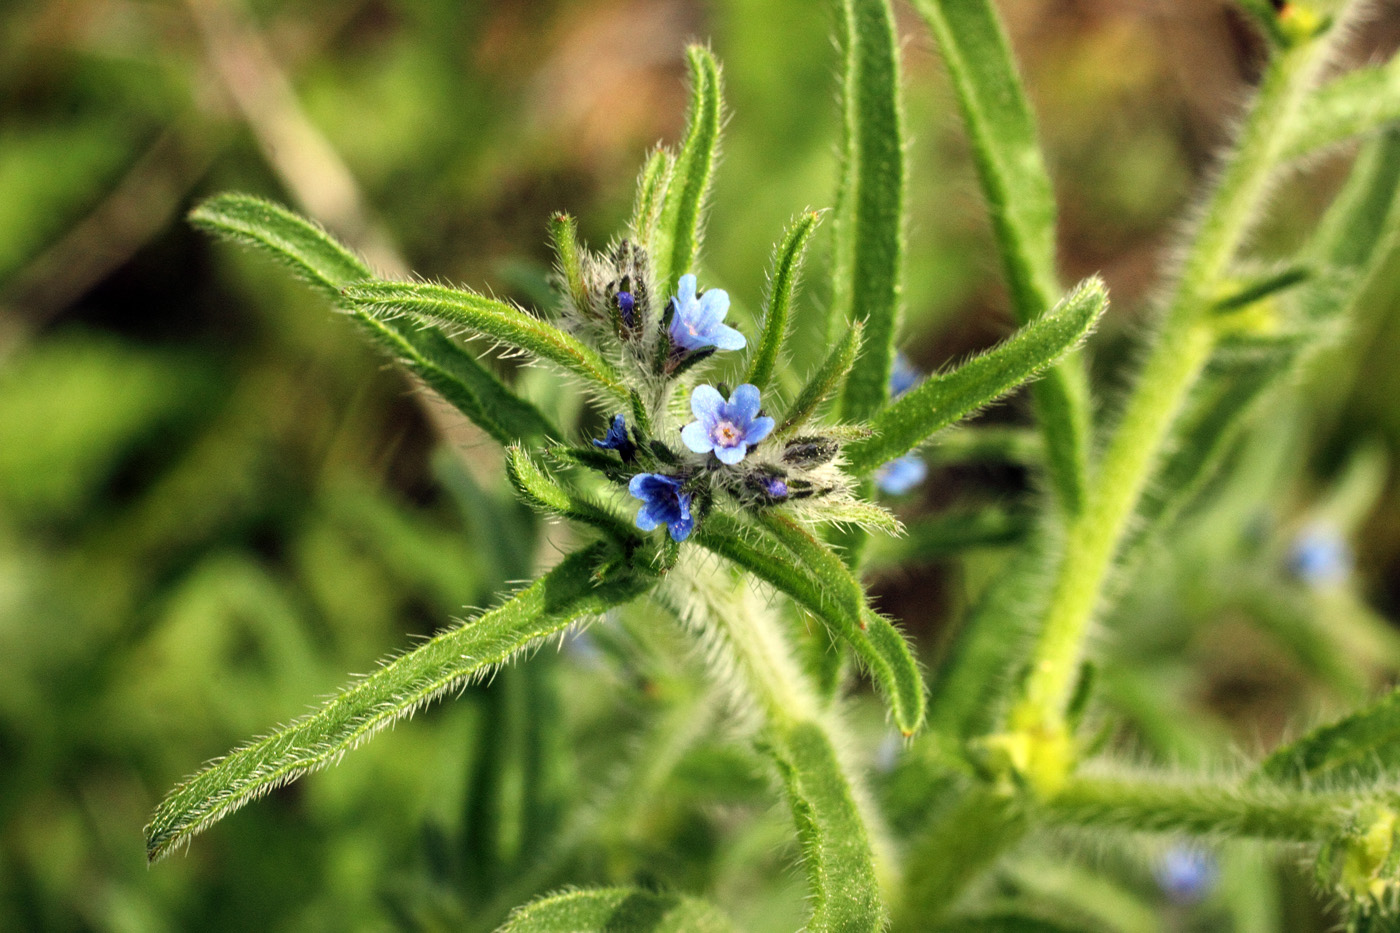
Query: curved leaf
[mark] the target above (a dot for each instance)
(617, 910)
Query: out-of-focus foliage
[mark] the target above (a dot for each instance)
(215, 500)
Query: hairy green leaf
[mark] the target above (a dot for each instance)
(1359, 102)
(870, 205)
(328, 266)
(880, 648)
(563, 234)
(823, 382)
(877, 643)
(1359, 750)
(617, 910)
(835, 846)
(544, 494)
(1021, 203)
(308, 249)
(676, 238)
(487, 317)
(651, 186)
(782, 286)
(395, 690)
(946, 398)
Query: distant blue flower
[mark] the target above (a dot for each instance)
(697, 323)
(901, 475)
(1319, 556)
(663, 503)
(1186, 874)
(903, 376)
(728, 428)
(775, 488)
(617, 439)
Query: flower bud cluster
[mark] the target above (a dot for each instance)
(729, 445)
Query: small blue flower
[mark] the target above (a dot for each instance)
(901, 475)
(617, 439)
(1319, 556)
(697, 323)
(1186, 874)
(627, 306)
(727, 428)
(663, 503)
(903, 376)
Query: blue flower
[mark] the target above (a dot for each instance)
(697, 323)
(903, 376)
(1186, 874)
(663, 503)
(617, 439)
(901, 475)
(728, 428)
(1319, 556)
(627, 307)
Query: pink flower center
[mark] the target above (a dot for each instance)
(727, 435)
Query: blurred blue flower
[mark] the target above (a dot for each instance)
(1319, 556)
(627, 307)
(697, 323)
(1186, 874)
(901, 475)
(663, 503)
(903, 376)
(727, 428)
(617, 439)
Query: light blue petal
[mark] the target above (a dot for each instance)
(731, 455)
(706, 403)
(697, 438)
(645, 520)
(685, 291)
(727, 338)
(744, 403)
(759, 428)
(636, 483)
(715, 304)
(900, 476)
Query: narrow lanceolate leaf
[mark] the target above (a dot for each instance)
(1361, 750)
(456, 375)
(676, 239)
(782, 287)
(651, 185)
(878, 644)
(944, 399)
(817, 580)
(394, 691)
(544, 494)
(328, 266)
(1357, 103)
(823, 382)
(563, 233)
(869, 222)
(489, 318)
(310, 251)
(1021, 202)
(617, 910)
(835, 846)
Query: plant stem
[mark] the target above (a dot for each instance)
(1155, 805)
(1184, 344)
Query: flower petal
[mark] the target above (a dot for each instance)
(732, 455)
(727, 338)
(645, 519)
(744, 403)
(759, 428)
(697, 438)
(707, 405)
(685, 290)
(715, 304)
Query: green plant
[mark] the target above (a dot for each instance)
(780, 493)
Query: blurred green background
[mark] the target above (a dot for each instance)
(215, 502)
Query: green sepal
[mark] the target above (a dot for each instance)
(782, 287)
(946, 398)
